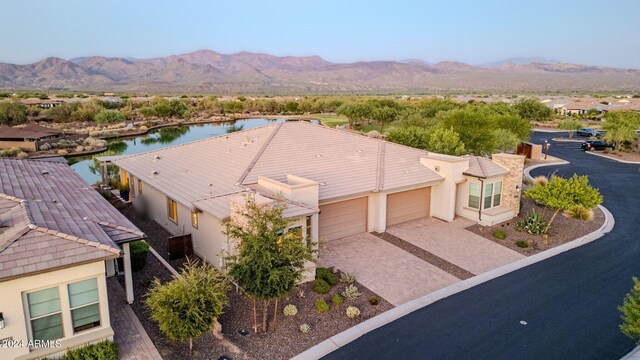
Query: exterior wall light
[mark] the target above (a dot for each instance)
(1, 321)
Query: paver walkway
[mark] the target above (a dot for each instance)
(450, 241)
(133, 341)
(385, 269)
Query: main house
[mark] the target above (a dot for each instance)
(336, 183)
(58, 241)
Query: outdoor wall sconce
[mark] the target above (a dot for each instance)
(1, 321)
(517, 188)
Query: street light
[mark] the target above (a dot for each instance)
(546, 149)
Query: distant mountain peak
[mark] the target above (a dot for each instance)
(522, 60)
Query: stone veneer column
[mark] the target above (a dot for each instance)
(512, 183)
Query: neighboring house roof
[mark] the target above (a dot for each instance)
(29, 131)
(484, 168)
(204, 173)
(51, 218)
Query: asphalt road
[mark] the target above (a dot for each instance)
(569, 301)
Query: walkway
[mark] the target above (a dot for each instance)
(453, 243)
(385, 269)
(132, 339)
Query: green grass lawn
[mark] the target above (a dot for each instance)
(365, 129)
(330, 120)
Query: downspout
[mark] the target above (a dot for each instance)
(481, 199)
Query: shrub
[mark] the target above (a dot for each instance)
(320, 286)
(322, 306)
(499, 234)
(580, 212)
(374, 300)
(104, 350)
(631, 312)
(374, 134)
(290, 310)
(352, 312)
(22, 155)
(109, 117)
(351, 292)
(326, 275)
(45, 147)
(139, 252)
(305, 328)
(62, 152)
(522, 244)
(337, 299)
(534, 224)
(540, 180)
(347, 278)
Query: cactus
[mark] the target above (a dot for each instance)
(351, 292)
(290, 310)
(347, 278)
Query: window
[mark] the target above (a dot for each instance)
(172, 210)
(139, 187)
(45, 314)
(84, 304)
(194, 219)
(132, 187)
(497, 191)
(308, 226)
(296, 230)
(492, 194)
(488, 195)
(474, 196)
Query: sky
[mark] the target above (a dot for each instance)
(476, 32)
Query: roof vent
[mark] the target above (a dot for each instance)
(407, 171)
(323, 183)
(154, 173)
(359, 150)
(45, 172)
(318, 156)
(157, 157)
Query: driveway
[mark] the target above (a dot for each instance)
(385, 269)
(453, 243)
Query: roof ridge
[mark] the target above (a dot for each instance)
(76, 239)
(260, 152)
(380, 166)
(117, 227)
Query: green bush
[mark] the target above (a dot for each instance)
(631, 313)
(322, 306)
(326, 275)
(139, 252)
(534, 224)
(522, 244)
(374, 300)
(499, 234)
(320, 286)
(104, 350)
(337, 299)
(109, 117)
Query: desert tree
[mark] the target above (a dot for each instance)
(445, 141)
(571, 125)
(532, 109)
(631, 313)
(12, 113)
(621, 126)
(270, 260)
(190, 304)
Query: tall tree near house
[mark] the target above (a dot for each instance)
(571, 125)
(355, 112)
(446, 141)
(532, 109)
(475, 129)
(631, 313)
(270, 260)
(505, 140)
(565, 194)
(189, 305)
(12, 113)
(384, 115)
(621, 126)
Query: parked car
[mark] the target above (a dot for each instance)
(597, 145)
(588, 132)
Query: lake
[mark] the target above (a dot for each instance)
(161, 138)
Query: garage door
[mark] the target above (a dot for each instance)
(408, 205)
(343, 218)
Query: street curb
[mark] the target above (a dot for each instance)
(548, 130)
(527, 171)
(614, 159)
(337, 341)
(633, 355)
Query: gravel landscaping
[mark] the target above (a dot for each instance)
(283, 343)
(562, 230)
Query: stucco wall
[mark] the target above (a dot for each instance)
(24, 145)
(13, 307)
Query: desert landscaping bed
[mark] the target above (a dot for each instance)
(562, 230)
(283, 343)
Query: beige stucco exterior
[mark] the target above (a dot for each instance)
(15, 310)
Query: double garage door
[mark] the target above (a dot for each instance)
(349, 217)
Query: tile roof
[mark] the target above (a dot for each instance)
(483, 167)
(30, 131)
(204, 173)
(49, 202)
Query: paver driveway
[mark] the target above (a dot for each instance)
(453, 243)
(387, 270)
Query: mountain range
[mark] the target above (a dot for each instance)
(207, 71)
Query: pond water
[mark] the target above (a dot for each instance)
(86, 166)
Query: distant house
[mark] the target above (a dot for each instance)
(335, 184)
(42, 104)
(582, 107)
(58, 242)
(28, 137)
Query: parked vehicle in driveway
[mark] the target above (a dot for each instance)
(589, 132)
(597, 145)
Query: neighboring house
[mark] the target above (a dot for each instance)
(582, 107)
(43, 104)
(28, 137)
(336, 183)
(58, 238)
